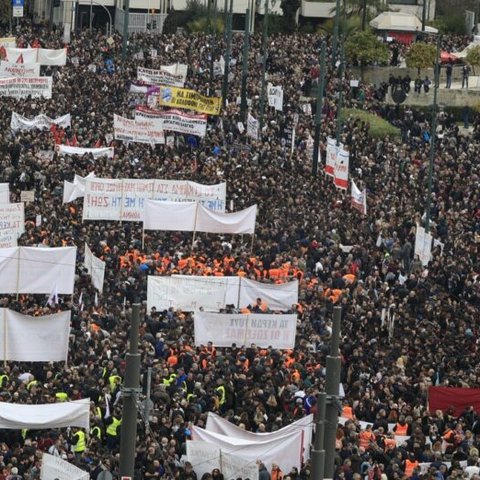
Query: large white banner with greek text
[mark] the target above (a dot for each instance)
(12, 216)
(42, 122)
(205, 457)
(124, 199)
(9, 69)
(34, 339)
(22, 87)
(174, 120)
(37, 270)
(56, 468)
(189, 293)
(223, 330)
(95, 267)
(285, 451)
(43, 56)
(137, 131)
(4, 193)
(45, 416)
(161, 77)
(340, 173)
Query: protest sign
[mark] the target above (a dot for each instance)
(223, 330)
(160, 77)
(8, 42)
(9, 69)
(189, 293)
(95, 268)
(12, 216)
(95, 152)
(34, 339)
(27, 196)
(275, 97)
(340, 173)
(137, 131)
(124, 199)
(423, 245)
(332, 150)
(22, 87)
(252, 127)
(174, 120)
(188, 99)
(359, 199)
(8, 237)
(4, 193)
(42, 122)
(54, 468)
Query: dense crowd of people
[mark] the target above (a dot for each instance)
(405, 326)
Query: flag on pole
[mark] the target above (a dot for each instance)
(359, 199)
(53, 298)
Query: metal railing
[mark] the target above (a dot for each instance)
(140, 22)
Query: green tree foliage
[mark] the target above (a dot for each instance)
(195, 10)
(289, 8)
(473, 56)
(421, 55)
(347, 26)
(200, 25)
(364, 48)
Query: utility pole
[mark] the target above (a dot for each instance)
(336, 28)
(130, 391)
(332, 388)
(213, 47)
(318, 450)
(364, 15)
(340, 98)
(318, 113)
(227, 55)
(126, 18)
(225, 20)
(264, 66)
(243, 102)
(433, 134)
(424, 16)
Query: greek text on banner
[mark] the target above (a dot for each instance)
(223, 330)
(22, 87)
(188, 99)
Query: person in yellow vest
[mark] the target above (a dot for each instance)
(61, 397)
(113, 429)
(410, 465)
(4, 379)
(95, 434)
(79, 442)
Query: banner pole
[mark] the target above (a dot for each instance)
(5, 338)
(121, 205)
(246, 330)
(195, 225)
(18, 271)
(239, 290)
(143, 235)
(251, 246)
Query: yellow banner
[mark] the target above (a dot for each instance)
(175, 97)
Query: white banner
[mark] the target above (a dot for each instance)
(21, 55)
(275, 97)
(139, 131)
(71, 191)
(37, 270)
(42, 122)
(189, 293)
(52, 57)
(45, 416)
(4, 193)
(205, 457)
(285, 451)
(359, 199)
(160, 77)
(176, 69)
(219, 67)
(54, 468)
(12, 216)
(8, 42)
(174, 120)
(22, 87)
(332, 150)
(124, 199)
(95, 267)
(34, 339)
(190, 217)
(252, 127)
(217, 424)
(223, 330)
(340, 174)
(95, 152)
(8, 237)
(9, 69)
(423, 245)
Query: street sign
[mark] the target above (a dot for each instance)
(18, 11)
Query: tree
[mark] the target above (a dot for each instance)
(364, 48)
(289, 8)
(473, 56)
(363, 9)
(421, 55)
(347, 26)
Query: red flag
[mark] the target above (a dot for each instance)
(98, 143)
(20, 59)
(74, 141)
(3, 53)
(443, 398)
